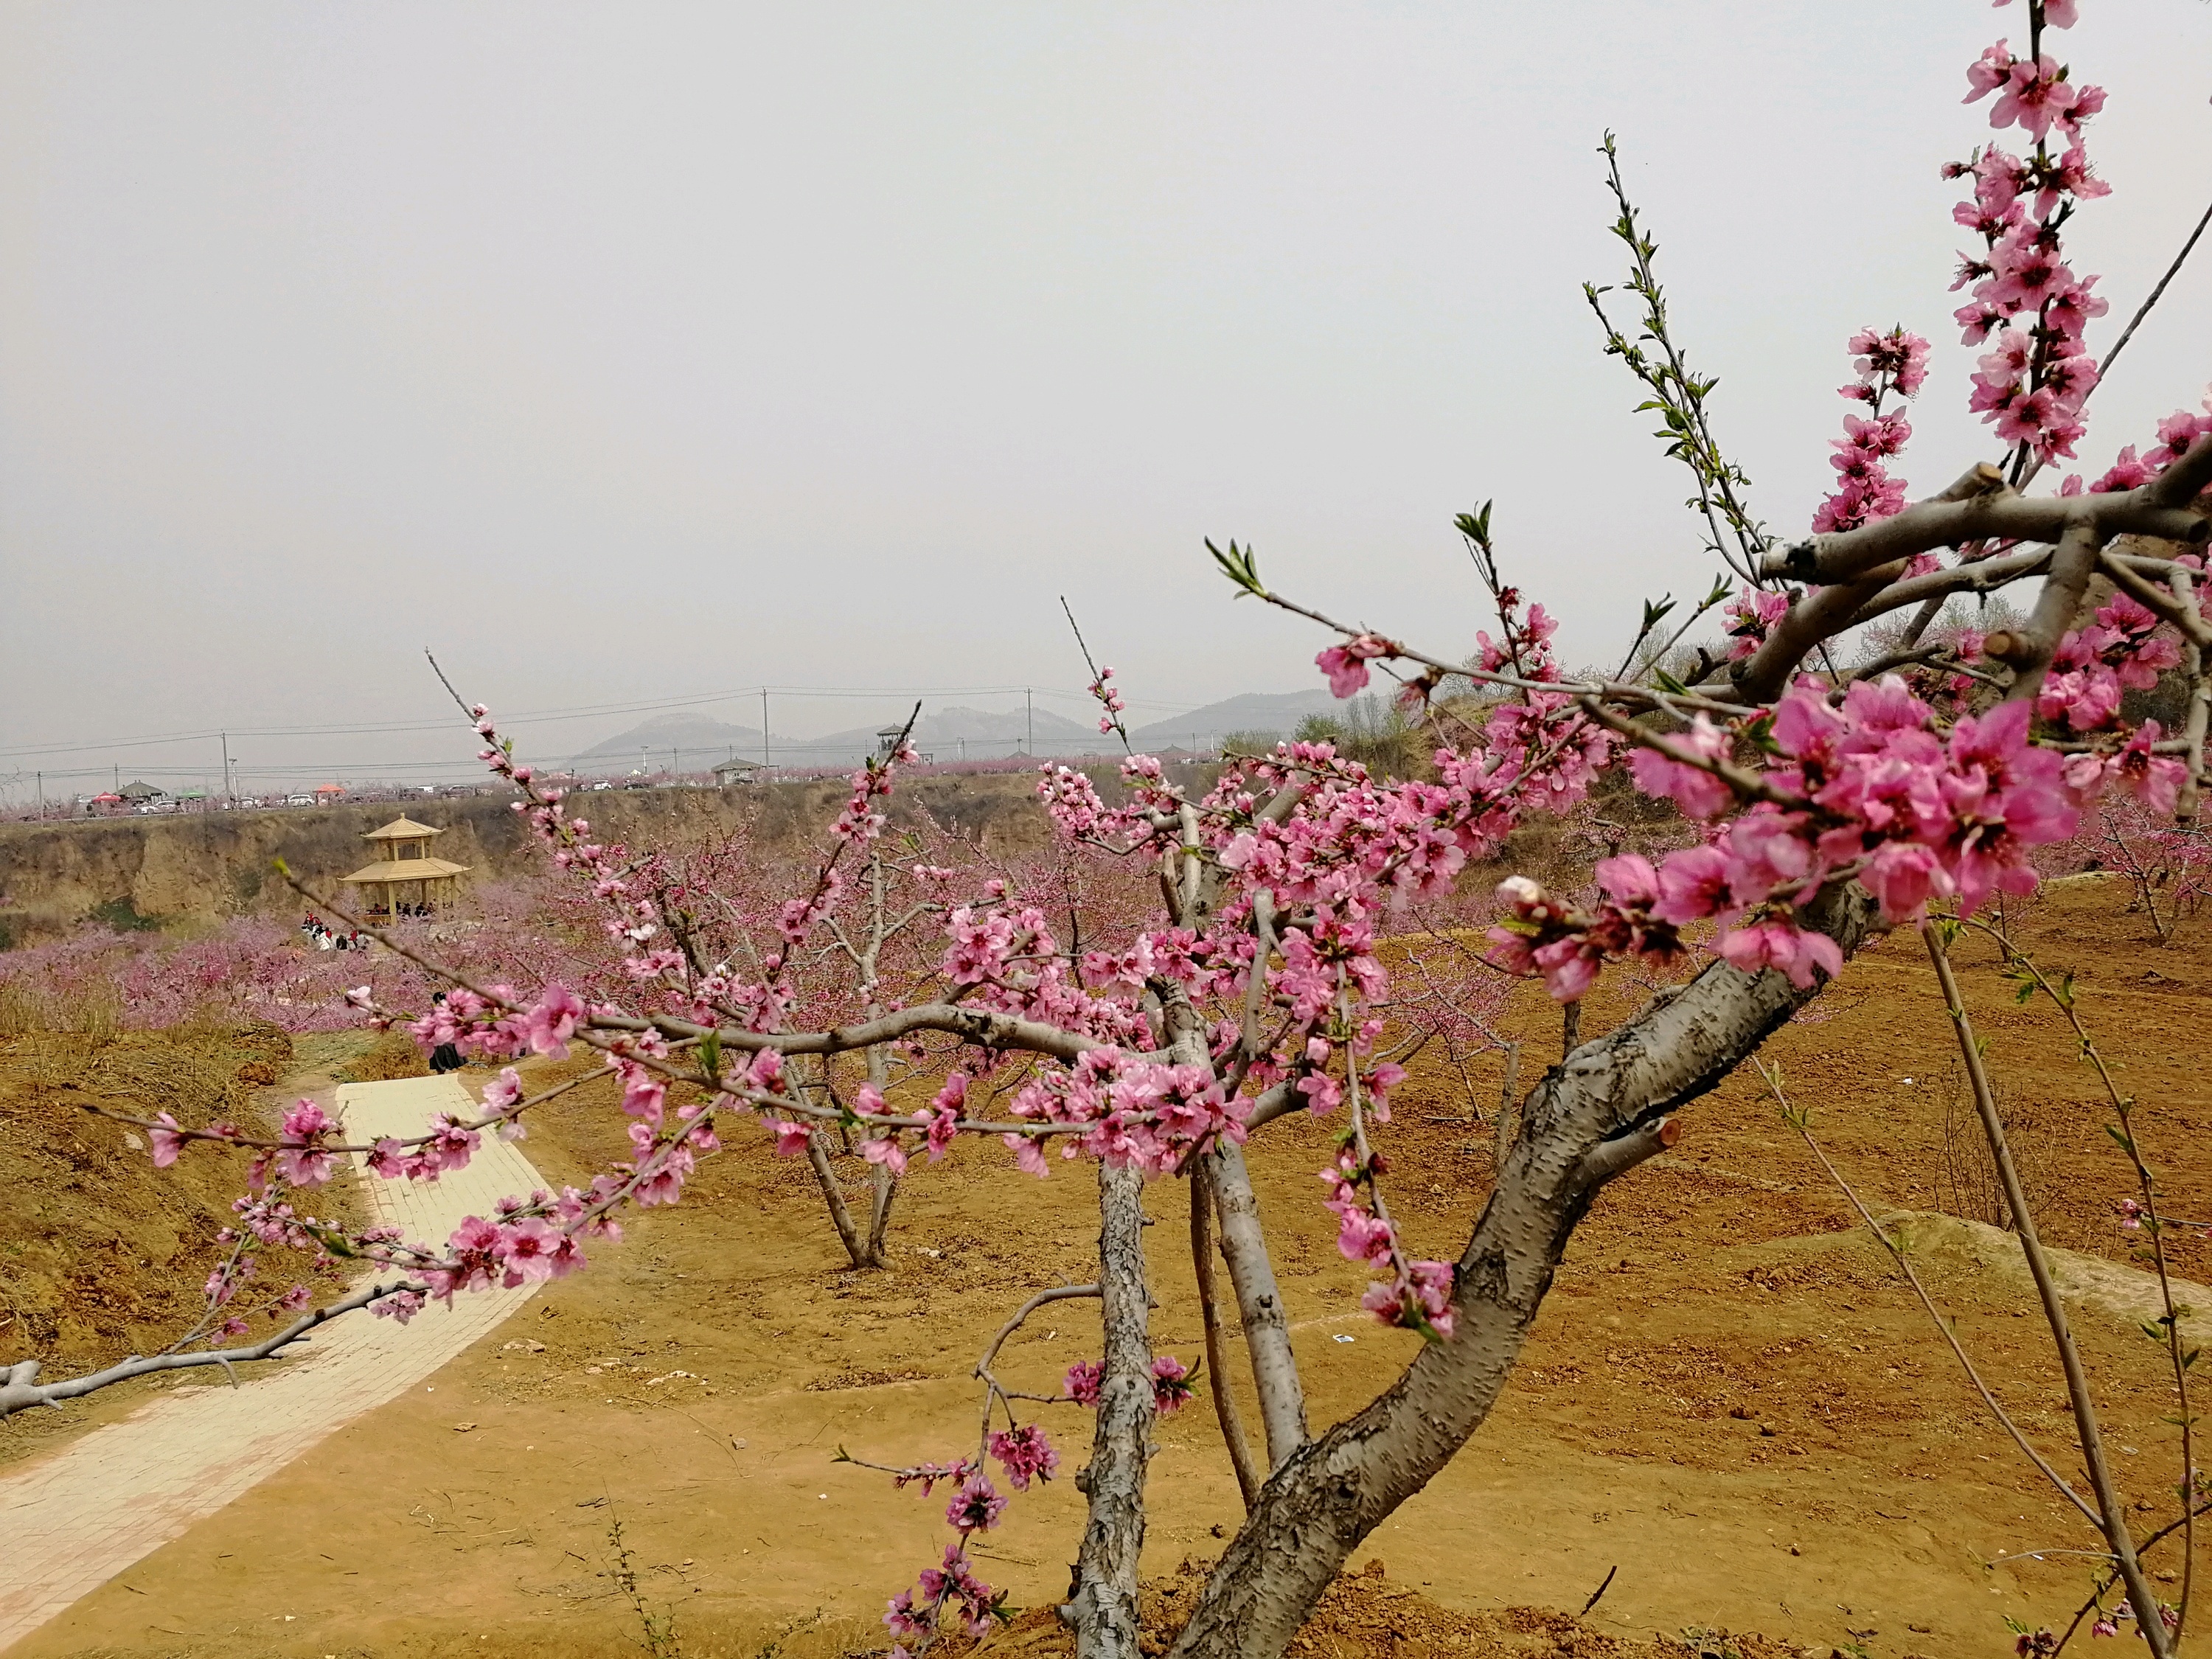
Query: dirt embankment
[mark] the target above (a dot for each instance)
(100, 1252)
(191, 868)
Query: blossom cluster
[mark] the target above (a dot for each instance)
(2032, 382)
(1414, 1293)
(1524, 645)
(1110, 698)
(1138, 1111)
(1883, 363)
(1751, 613)
(949, 1591)
(2126, 648)
(1868, 789)
(1172, 1382)
(2128, 470)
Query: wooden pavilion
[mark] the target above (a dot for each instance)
(403, 879)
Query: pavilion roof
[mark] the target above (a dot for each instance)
(402, 830)
(388, 871)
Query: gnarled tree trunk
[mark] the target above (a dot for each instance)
(1594, 1117)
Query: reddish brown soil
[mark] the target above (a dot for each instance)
(1729, 1397)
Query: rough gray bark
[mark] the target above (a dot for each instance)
(1102, 1607)
(1592, 1118)
(1981, 507)
(2071, 567)
(885, 1184)
(1501, 1131)
(1244, 1247)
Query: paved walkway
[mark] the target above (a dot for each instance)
(75, 1518)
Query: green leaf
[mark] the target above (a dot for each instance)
(1239, 565)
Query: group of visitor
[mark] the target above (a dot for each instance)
(324, 937)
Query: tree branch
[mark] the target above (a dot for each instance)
(2113, 1517)
(20, 1388)
(1980, 507)
(1250, 1476)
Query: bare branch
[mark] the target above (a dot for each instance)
(2112, 1519)
(20, 1388)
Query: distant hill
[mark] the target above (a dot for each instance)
(1275, 712)
(957, 733)
(693, 742)
(690, 742)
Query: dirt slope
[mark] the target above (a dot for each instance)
(188, 868)
(101, 1255)
(1730, 1397)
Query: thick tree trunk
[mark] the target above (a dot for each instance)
(1592, 1119)
(1102, 1608)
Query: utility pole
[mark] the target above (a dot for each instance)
(764, 760)
(119, 777)
(675, 763)
(1029, 705)
(226, 766)
(42, 796)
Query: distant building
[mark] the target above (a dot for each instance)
(887, 740)
(135, 793)
(736, 771)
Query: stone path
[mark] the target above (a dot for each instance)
(75, 1518)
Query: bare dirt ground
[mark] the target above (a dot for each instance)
(1729, 1397)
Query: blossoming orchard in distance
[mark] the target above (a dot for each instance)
(1241, 978)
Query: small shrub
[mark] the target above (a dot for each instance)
(121, 915)
(1968, 1176)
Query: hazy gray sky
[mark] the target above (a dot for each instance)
(623, 352)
